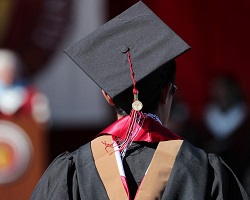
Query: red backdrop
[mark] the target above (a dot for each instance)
(217, 31)
(33, 29)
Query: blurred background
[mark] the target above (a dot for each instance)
(48, 106)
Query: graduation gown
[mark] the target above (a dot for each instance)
(193, 174)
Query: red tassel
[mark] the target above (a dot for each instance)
(136, 119)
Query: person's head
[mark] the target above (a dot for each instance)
(225, 91)
(155, 92)
(135, 46)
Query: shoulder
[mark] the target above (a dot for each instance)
(60, 176)
(197, 157)
(192, 155)
(225, 183)
(69, 160)
(211, 170)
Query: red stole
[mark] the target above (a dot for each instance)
(155, 179)
(159, 170)
(151, 130)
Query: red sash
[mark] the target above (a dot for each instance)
(149, 131)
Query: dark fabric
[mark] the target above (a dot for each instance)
(132, 162)
(195, 175)
(71, 176)
(234, 149)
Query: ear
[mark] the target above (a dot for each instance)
(108, 98)
(165, 92)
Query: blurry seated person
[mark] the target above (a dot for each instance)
(16, 96)
(131, 58)
(225, 126)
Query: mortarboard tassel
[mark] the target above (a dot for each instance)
(136, 119)
(136, 116)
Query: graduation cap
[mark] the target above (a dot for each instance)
(102, 55)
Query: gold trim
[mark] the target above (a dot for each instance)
(154, 181)
(159, 170)
(107, 168)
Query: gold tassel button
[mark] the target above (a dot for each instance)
(137, 105)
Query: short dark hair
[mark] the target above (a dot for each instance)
(149, 90)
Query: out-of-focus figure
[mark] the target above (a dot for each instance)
(225, 127)
(24, 115)
(15, 95)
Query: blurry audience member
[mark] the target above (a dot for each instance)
(225, 127)
(16, 96)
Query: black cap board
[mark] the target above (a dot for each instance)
(102, 55)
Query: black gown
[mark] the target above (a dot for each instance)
(195, 175)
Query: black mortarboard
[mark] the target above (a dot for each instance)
(150, 42)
